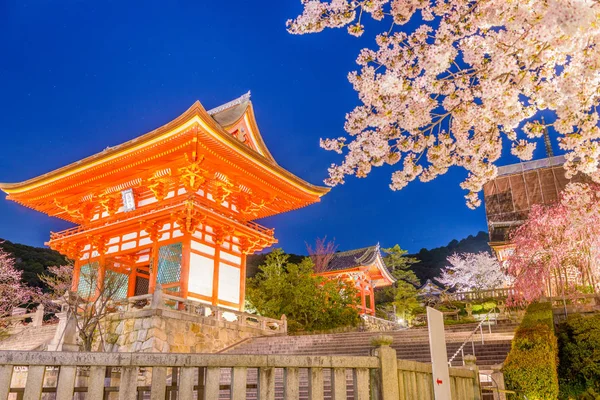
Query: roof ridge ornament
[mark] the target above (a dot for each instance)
(230, 104)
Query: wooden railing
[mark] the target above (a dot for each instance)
(165, 301)
(159, 376)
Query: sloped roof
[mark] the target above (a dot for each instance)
(353, 258)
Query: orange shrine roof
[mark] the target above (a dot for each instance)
(227, 138)
(367, 259)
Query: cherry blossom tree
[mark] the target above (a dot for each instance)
(322, 253)
(558, 247)
(13, 293)
(92, 302)
(473, 271)
(473, 74)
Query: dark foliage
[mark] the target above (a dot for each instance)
(33, 261)
(530, 368)
(253, 261)
(579, 352)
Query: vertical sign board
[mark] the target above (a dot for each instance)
(439, 357)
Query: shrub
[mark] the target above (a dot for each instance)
(531, 366)
(579, 351)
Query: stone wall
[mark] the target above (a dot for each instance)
(172, 331)
(370, 323)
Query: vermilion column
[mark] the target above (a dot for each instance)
(363, 299)
(372, 299)
(185, 266)
(153, 273)
(243, 282)
(76, 273)
(215, 286)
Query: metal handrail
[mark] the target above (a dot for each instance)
(470, 337)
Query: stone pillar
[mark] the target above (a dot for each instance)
(498, 382)
(65, 337)
(470, 363)
(385, 385)
(38, 318)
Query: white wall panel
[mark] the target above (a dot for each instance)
(201, 275)
(231, 258)
(229, 283)
(203, 248)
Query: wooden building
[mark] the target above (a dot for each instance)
(509, 197)
(366, 268)
(173, 207)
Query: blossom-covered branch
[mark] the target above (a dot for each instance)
(475, 73)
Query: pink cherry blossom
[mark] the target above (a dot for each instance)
(558, 247)
(474, 74)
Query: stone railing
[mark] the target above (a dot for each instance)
(160, 300)
(14, 321)
(480, 294)
(213, 376)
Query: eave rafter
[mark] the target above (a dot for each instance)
(188, 215)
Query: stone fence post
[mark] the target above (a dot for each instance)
(470, 363)
(284, 322)
(157, 300)
(498, 380)
(385, 380)
(38, 318)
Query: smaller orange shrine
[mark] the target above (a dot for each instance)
(173, 207)
(366, 268)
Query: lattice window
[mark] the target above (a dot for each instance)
(88, 277)
(169, 263)
(142, 285)
(119, 292)
(88, 274)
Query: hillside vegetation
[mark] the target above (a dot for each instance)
(32, 260)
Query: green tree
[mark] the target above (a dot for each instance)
(308, 301)
(400, 265)
(403, 294)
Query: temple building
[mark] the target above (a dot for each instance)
(509, 197)
(366, 268)
(173, 207)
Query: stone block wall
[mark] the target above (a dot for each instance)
(171, 331)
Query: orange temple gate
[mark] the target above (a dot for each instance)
(366, 269)
(172, 207)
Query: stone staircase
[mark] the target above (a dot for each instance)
(410, 344)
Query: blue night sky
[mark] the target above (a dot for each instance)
(78, 76)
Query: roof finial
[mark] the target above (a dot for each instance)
(230, 104)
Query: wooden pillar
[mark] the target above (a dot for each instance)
(363, 300)
(152, 230)
(131, 280)
(215, 287)
(76, 273)
(243, 282)
(100, 244)
(100, 275)
(372, 299)
(185, 266)
(153, 273)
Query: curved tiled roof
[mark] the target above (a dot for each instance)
(353, 258)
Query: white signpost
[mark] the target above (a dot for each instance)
(439, 357)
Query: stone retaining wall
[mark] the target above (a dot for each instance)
(171, 331)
